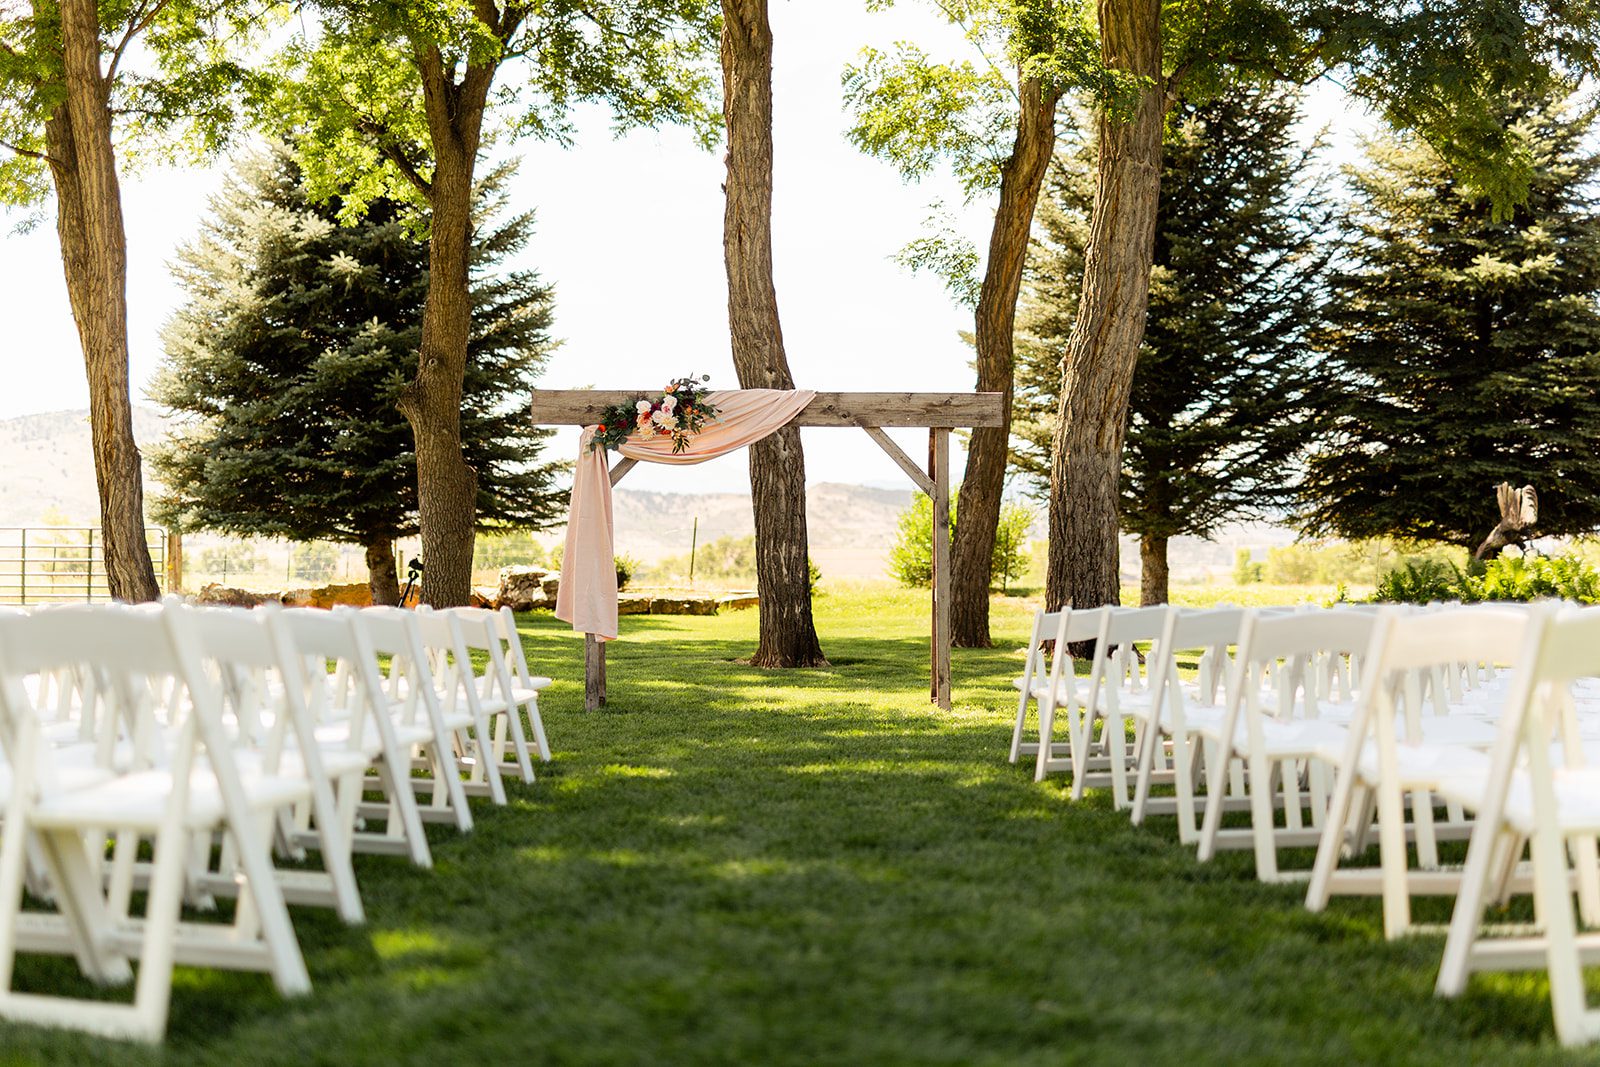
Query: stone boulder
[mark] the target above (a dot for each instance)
(737, 601)
(356, 594)
(218, 594)
(633, 604)
(482, 597)
(667, 605)
(522, 589)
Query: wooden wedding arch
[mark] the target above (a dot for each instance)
(939, 413)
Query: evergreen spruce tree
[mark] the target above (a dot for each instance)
(1217, 412)
(287, 360)
(1464, 348)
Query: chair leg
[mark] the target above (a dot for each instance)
(1476, 878)
(1393, 860)
(1567, 1000)
(1332, 843)
(1262, 823)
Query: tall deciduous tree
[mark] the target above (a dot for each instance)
(788, 636)
(1465, 347)
(64, 81)
(294, 343)
(998, 127)
(1219, 401)
(393, 98)
(1435, 69)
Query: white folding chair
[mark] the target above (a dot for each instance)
(1062, 697)
(527, 685)
(1539, 789)
(1178, 710)
(1116, 679)
(498, 690)
(1285, 666)
(414, 705)
(1379, 767)
(264, 695)
(1035, 667)
(339, 671)
(183, 783)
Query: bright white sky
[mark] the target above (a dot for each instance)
(630, 232)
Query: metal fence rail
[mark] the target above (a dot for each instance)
(61, 564)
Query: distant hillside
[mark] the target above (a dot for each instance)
(47, 469)
(851, 526)
(47, 465)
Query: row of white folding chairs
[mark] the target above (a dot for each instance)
(193, 728)
(1431, 722)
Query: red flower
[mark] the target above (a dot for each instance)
(601, 428)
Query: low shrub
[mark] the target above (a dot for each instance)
(1518, 578)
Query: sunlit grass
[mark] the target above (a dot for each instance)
(728, 865)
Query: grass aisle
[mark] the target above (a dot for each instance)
(735, 866)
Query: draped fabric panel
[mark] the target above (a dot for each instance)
(587, 597)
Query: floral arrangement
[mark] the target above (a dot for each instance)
(679, 412)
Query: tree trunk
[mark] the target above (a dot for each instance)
(447, 486)
(1153, 583)
(94, 255)
(989, 448)
(788, 635)
(1097, 370)
(382, 576)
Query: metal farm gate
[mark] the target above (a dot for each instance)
(61, 564)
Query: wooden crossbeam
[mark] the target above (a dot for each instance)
(582, 407)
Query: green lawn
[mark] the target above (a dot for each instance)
(728, 865)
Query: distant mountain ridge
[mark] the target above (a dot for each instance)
(47, 472)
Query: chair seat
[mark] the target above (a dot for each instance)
(1427, 765)
(65, 779)
(336, 762)
(139, 801)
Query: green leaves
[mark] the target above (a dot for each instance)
(1464, 347)
(352, 92)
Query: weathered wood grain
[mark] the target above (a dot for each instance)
(582, 407)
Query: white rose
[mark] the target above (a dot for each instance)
(670, 403)
(642, 407)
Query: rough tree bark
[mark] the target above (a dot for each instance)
(1153, 580)
(788, 636)
(94, 255)
(989, 448)
(1097, 370)
(382, 576)
(447, 486)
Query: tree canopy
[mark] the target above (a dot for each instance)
(296, 338)
(1464, 347)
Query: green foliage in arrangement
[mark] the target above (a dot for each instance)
(1464, 348)
(911, 555)
(1517, 578)
(297, 337)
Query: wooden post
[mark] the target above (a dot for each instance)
(939, 470)
(174, 561)
(594, 672)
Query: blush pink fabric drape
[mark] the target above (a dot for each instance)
(587, 597)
